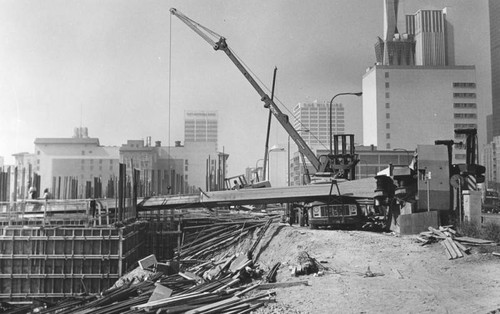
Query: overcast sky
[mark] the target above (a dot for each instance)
(105, 65)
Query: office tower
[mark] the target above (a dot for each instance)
(414, 95)
(312, 121)
(200, 126)
(494, 11)
(407, 106)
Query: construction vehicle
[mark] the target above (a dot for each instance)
(240, 182)
(337, 165)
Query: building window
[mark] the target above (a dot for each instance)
(465, 116)
(388, 146)
(464, 105)
(387, 125)
(386, 84)
(464, 95)
(100, 161)
(186, 168)
(387, 105)
(387, 135)
(387, 95)
(388, 115)
(387, 74)
(465, 126)
(83, 152)
(464, 85)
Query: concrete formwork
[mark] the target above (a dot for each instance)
(54, 262)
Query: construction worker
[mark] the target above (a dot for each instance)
(46, 194)
(33, 192)
(236, 186)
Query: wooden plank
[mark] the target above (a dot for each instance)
(450, 250)
(266, 286)
(462, 247)
(446, 250)
(213, 305)
(454, 247)
(437, 232)
(472, 240)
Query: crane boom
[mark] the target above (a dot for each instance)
(268, 102)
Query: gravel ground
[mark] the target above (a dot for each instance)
(408, 278)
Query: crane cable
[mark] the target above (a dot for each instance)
(275, 97)
(217, 37)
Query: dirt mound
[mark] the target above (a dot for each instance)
(405, 277)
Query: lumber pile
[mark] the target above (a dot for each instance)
(448, 238)
(204, 241)
(209, 277)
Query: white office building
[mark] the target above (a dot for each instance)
(404, 106)
(312, 121)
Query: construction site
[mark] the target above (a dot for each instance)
(397, 242)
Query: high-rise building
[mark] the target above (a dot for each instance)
(494, 11)
(407, 106)
(428, 29)
(312, 121)
(415, 94)
(200, 126)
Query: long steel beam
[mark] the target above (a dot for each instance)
(358, 189)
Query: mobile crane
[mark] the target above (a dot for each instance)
(338, 165)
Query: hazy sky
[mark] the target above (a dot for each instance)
(105, 65)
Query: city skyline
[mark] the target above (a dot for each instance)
(107, 66)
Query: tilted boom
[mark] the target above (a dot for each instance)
(268, 102)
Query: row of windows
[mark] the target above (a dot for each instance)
(464, 85)
(201, 123)
(100, 161)
(464, 95)
(465, 126)
(100, 168)
(465, 105)
(91, 161)
(465, 116)
(455, 95)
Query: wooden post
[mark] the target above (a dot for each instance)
(121, 185)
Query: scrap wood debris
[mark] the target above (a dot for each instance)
(306, 265)
(207, 278)
(455, 246)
